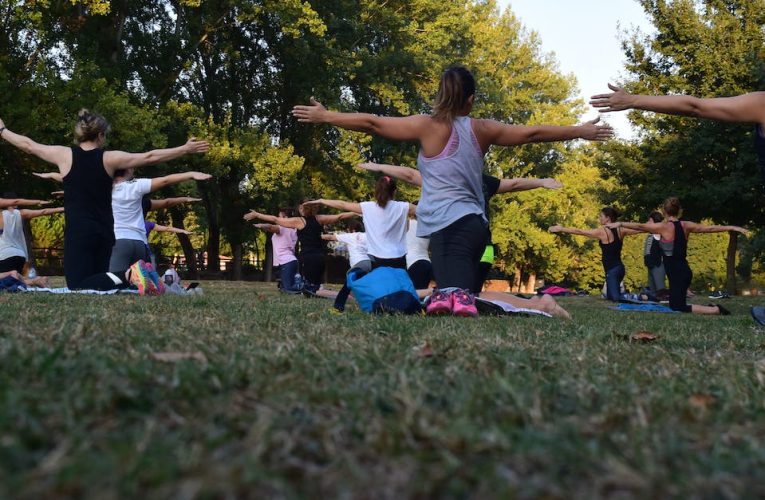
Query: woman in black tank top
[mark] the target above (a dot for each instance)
(610, 240)
(309, 227)
(674, 243)
(87, 171)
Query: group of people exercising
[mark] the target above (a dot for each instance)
(105, 233)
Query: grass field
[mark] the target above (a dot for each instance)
(279, 398)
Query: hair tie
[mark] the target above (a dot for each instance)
(387, 179)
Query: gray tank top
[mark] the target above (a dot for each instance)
(12, 242)
(451, 181)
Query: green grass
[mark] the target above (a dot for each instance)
(291, 401)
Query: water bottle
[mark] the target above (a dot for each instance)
(32, 274)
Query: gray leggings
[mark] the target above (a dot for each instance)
(656, 276)
(125, 253)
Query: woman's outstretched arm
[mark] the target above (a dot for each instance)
(406, 128)
(746, 108)
(60, 156)
(590, 233)
(116, 160)
(490, 132)
(346, 206)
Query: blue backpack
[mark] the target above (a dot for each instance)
(384, 290)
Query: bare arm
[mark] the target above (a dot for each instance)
(171, 202)
(746, 108)
(169, 180)
(54, 176)
(490, 132)
(291, 222)
(407, 128)
(641, 227)
(21, 202)
(521, 184)
(115, 160)
(597, 234)
(406, 174)
(326, 220)
(170, 229)
(328, 237)
(693, 227)
(31, 214)
(60, 156)
(269, 228)
(337, 204)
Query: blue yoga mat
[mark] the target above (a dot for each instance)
(644, 308)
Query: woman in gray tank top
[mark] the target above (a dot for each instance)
(452, 148)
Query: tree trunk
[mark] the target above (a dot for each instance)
(730, 263)
(236, 262)
(268, 264)
(516, 284)
(213, 226)
(176, 216)
(531, 283)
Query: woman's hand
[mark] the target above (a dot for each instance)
(550, 183)
(313, 113)
(591, 131)
(368, 166)
(199, 176)
(314, 202)
(557, 228)
(195, 146)
(618, 100)
(252, 214)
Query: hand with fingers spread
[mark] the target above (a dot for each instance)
(591, 131)
(618, 100)
(193, 145)
(312, 113)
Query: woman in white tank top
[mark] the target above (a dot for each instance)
(13, 243)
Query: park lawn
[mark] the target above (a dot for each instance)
(281, 398)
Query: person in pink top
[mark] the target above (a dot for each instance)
(283, 241)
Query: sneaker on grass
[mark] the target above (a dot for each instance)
(463, 304)
(719, 294)
(439, 303)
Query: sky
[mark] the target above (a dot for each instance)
(583, 35)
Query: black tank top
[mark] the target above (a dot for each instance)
(680, 243)
(88, 199)
(310, 237)
(612, 252)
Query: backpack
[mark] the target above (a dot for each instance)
(654, 257)
(384, 290)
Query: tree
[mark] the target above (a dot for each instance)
(709, 165)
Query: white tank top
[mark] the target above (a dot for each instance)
(12, 241)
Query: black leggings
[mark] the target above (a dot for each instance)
(396, 262)
(312, 268)
(86, 261)
(12, 264)
(456, 251)
(680, 275)
(421, 273)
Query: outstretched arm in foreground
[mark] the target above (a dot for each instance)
(746, 108)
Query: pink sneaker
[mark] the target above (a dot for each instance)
(439, 303)
(464, 304)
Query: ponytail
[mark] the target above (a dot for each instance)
(385, 189)
(456, 87)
